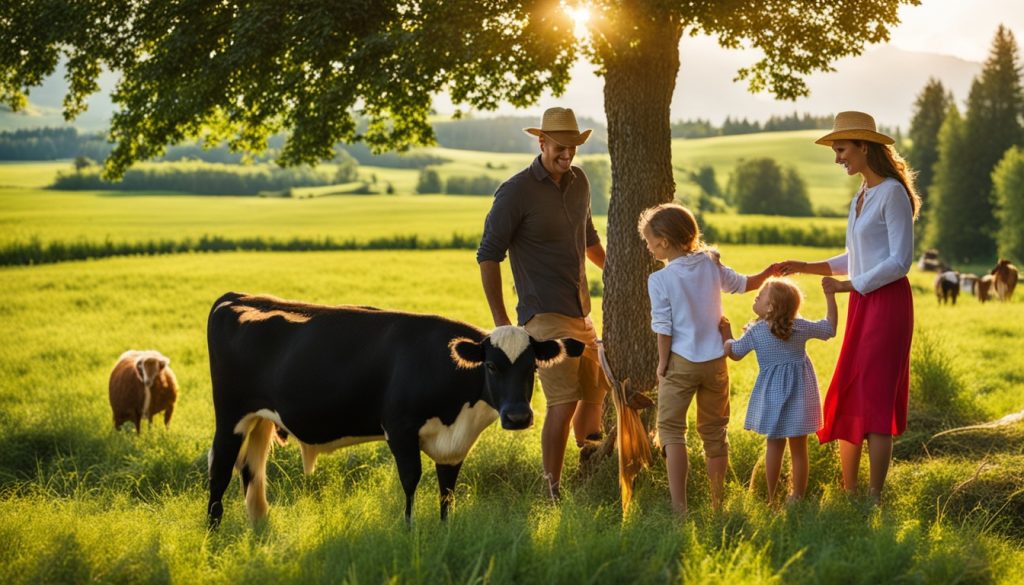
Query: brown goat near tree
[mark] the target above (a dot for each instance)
(142, 385)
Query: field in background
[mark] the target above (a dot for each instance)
(80, 502)
(826, 183)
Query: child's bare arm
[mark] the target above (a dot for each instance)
(664, 349)
(725, 328)
(833, 311)
(754, 281)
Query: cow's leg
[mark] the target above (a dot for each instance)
(254, 469)
(406, 449)
(222, 460)
(446, 476)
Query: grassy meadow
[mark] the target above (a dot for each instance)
(81, 502)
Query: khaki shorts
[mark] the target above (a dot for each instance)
(573, 379)
(710, 382)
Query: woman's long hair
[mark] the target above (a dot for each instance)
(784, 300)
(886, 162)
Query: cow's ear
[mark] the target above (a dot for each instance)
(547, 353)
(466, 353)
(573, 347)
(139, 367)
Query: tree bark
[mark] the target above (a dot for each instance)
(639, 81)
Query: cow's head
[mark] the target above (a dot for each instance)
(510, 357)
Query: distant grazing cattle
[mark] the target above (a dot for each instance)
(983, 287)
(930, 261)
(333, 376)
(947, 286)
(1005, 279)
(968, 282)
(141, 386)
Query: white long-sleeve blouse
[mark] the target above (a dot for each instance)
(879, 243)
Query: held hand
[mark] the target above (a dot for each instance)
(716, 256)
(725, 328)
(789, 267)
(832, 286)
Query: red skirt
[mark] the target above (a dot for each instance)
(871, 384)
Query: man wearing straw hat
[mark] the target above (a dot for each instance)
(541, 218)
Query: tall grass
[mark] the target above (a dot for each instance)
(80, 502)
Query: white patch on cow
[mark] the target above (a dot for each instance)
(310, 451)
(209, 461)
(243, 425)
(221, 306)
(510, 339)
(449, 444)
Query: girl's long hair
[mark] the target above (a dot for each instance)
(784, 300)
(886, 162)
(675, 223)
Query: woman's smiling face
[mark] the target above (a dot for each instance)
(850, 156)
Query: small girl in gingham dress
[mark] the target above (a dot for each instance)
(784, 404)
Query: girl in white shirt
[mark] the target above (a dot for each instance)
(867, 398)
(686, 307)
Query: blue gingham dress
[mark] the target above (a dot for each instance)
(785, 401)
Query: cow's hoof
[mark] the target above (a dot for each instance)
(214, 515)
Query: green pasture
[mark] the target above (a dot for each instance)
(81, 502)
(94, 219)
(827, 183)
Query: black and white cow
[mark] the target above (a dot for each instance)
(333, 376)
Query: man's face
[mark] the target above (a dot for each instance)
(555, 157)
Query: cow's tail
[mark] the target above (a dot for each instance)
(252, 466)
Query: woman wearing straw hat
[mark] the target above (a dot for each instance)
(867, 398)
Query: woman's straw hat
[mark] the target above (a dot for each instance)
(559, 124)
(854, 126)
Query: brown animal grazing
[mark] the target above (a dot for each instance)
(947, 286)
(1005, 279)
(982, 288)
(142, 385)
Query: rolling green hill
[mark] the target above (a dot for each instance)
(827, 184)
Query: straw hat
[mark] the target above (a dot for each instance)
(854, 126)
(559, 124)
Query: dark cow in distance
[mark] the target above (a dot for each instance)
(947, 286)
(332, 376)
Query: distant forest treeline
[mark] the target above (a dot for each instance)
(700, 128)
(503, 134)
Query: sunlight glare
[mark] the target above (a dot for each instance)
(581, 16)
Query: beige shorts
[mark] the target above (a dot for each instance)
(710, 382)
(573, 379)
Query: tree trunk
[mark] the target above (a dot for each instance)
(639, 82)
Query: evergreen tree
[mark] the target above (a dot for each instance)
(1008, 179)
(992, 125)
(930, 109)
(947, 230)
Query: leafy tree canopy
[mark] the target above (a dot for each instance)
(241, 71)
